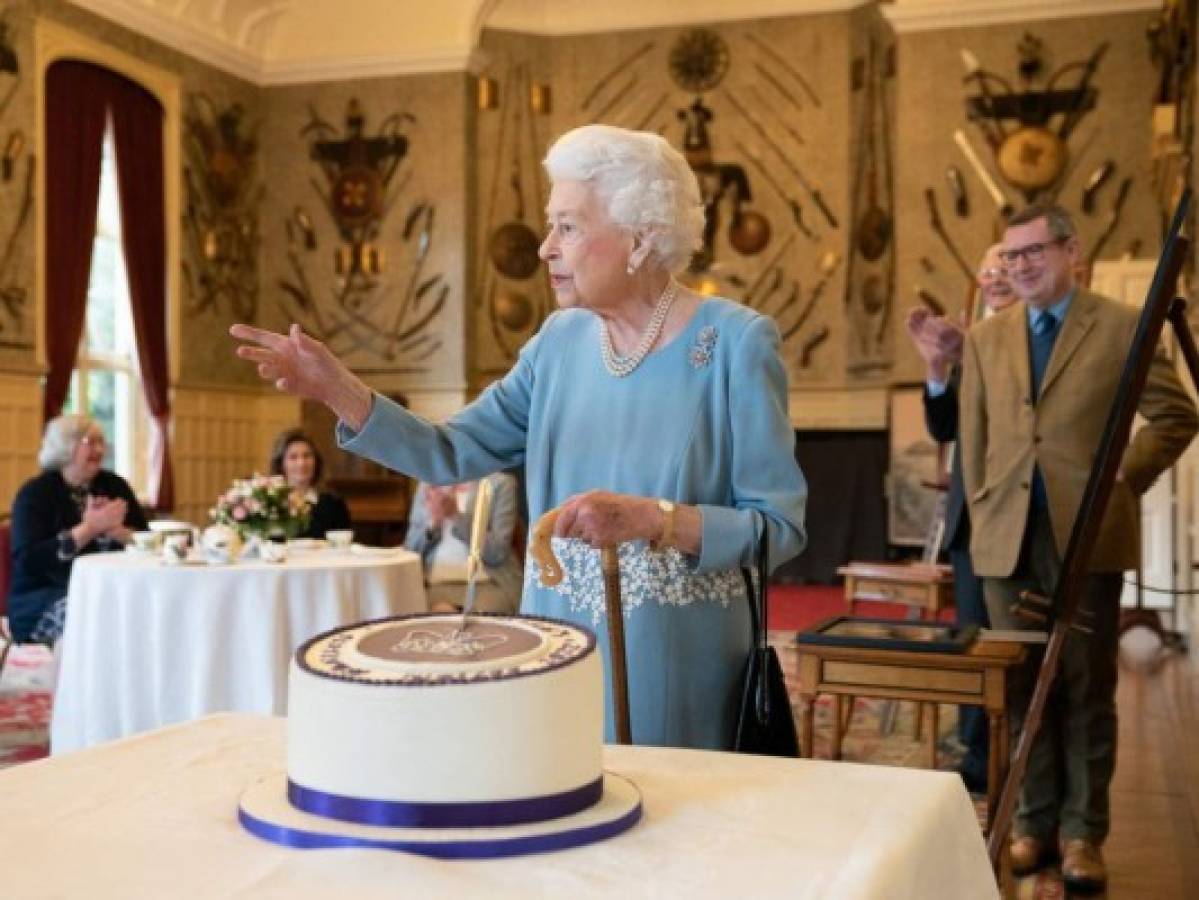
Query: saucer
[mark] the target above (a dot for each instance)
(364, 550)
(307, 544)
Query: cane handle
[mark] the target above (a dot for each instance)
(551, 569)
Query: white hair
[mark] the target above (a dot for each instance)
(61, 437)
(643, 182)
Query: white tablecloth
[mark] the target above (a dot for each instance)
(156, 816)
(148, 645)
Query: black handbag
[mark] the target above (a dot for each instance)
(765, 724)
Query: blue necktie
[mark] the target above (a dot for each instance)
(1040, 346)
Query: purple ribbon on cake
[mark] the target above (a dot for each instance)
(478, 848)
(475, 814)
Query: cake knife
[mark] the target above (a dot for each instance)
(474, 561)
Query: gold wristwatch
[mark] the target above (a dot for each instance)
(667, 507)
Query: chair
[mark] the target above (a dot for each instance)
(6, 637)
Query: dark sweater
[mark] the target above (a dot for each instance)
(329, 514)
(43, 507)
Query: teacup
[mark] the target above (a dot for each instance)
(175, 547)
(271, 552)
(340, 538)
(221, 544)
(166, 527)
(147, 541)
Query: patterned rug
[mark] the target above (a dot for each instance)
(25, 705)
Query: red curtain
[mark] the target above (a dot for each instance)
(137, 133)
(75, 113)
(79, 96)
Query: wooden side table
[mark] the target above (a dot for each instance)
(924, 588)
(976, 677)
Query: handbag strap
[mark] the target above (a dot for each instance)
(756, 593)
(757, 617)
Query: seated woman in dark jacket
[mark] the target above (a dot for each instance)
(295, 457)
(72, 507)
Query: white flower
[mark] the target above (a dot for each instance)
(645, 576)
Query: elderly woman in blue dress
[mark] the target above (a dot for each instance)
(656, 419)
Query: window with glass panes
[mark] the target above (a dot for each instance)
(105, 383)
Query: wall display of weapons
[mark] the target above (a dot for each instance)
(870, 279)
(754, 111)
(17, 171)
(222, 195)
(1172, 36)
(353, 249)
(1037, 113)
(512, 296)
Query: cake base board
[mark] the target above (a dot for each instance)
(265, 812)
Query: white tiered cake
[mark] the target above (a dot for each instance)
(407, 734)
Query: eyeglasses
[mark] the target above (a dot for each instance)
(991, 273)
(1034, 253)
(93, 440)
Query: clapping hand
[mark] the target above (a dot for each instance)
(938, 339)
(441, 503)
(105, 515)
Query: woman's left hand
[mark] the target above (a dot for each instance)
(605, 519)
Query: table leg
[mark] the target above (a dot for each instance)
(847, 716)
(806, 725)
(995, 754)
(838, 712)
(934, 715)
(886, 717)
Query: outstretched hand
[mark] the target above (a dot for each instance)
(295, 362)
(301, 365)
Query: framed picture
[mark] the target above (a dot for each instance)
(915, 458)
(890, 634)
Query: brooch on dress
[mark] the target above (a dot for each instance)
(701, 350)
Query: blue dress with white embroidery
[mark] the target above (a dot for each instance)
(703, 421)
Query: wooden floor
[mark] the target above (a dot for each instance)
(1153, 850)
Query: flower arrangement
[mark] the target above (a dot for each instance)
(263, 506)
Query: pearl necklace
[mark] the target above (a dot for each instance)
(620, 366)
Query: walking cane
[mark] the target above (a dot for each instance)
(551, 575)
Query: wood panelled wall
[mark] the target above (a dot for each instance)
(20, 432)
(220, 435)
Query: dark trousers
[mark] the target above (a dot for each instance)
(971, 610)
(1072, 759)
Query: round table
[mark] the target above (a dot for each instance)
(148, 644)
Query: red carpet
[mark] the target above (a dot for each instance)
(794, 607)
